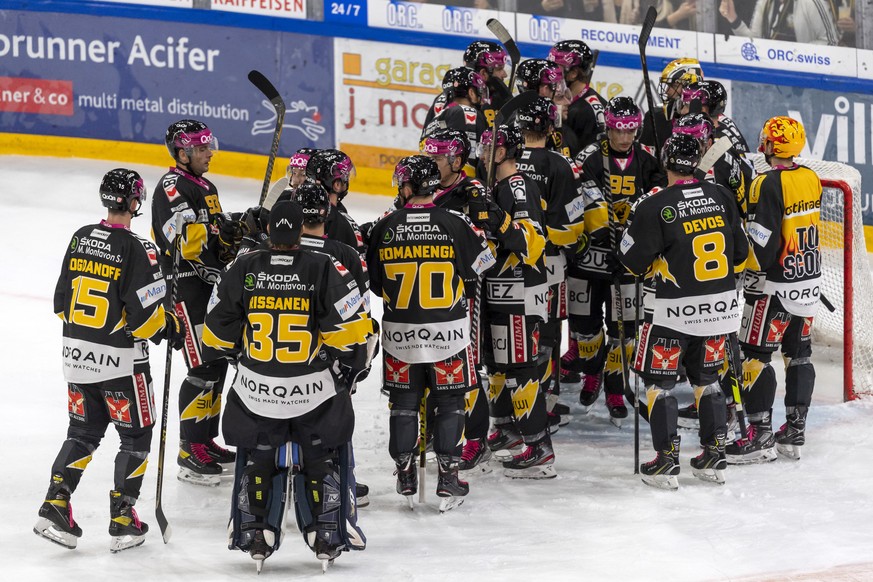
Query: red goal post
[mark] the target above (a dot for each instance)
(846, 278)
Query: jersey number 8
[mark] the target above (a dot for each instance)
(710, 261)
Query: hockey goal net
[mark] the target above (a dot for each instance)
(847, 283)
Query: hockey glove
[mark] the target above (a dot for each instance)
(486, 214)
(230, 234)
(174, 330)
(255, 220)
(350, 377)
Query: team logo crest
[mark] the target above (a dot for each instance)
(449, 372)
(396, 371)
(119, 407)
(777, 327)
(665, 354)
(806, 331)
(75, 402)
(713, 350)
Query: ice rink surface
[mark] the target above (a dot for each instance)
(806, 520)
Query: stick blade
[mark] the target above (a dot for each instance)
(166, 530)
(267, 88)
(648, 25)
(498, 30)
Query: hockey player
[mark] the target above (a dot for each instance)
(419, 257)
(584, 115)
(782, 289)
(334, 170)
(692, 250)
(618, 162)
(465, 92)
(450, 149)
(110, 297)
(562, 224)
(315, 203)
(678, 74)
(710, 97)
(295, 174)
(547, 79)
(516, 296)
(209, 241)
(488, 59)
(296, 320)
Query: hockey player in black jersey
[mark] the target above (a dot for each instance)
(419, 258)
(691, 236)
(110, 297)
(487, 58)
(449, 148)
(296, 320)
(547, 79)
(209, 241)
(559, 189)
(334, 170)
(710, 97)
(515, 304)
(782, 291)
(676, 75)
(584, 115)
(628, 169)
(465, 92)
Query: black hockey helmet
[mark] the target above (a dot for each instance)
(120, 187)
(681, 153)
(451, 143)
(299, 160)
(540, 115)
(328, 166)
(457, 82)
(712, 94)
(420, 172)
(485, 54)
(622, 113)
(186, 134)
(571, 54)
(508, 136)
(697, 125)
(534, 73)
(313, 199)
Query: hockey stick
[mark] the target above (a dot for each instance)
(266, 87)
(510, 107)
(645, 33)
(422, 446)
(712, 155)
(163, 524)
(735, 383)
(508, 43)
(639, 300)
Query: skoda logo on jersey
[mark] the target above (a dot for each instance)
(389, 236)
(668, 213)
(74, 243)
(249, 282)
(749, 51)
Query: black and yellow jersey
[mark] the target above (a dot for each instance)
(419, 257)
(690, 235)
(281, 311)
(518, 284)
(340, 226)
(585, 117)
(463, 118)
(785, 258)
(196, 200)
(110, 295)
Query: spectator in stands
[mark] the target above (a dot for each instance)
(806, 21)
(671, 13)
(846, 22)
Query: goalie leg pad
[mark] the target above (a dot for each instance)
(259, 494)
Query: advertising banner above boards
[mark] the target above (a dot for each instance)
(173, 3)
(280, 8)
(787, 56)
(114, 79)
(838, 126)
(434, 18)
(383, 92)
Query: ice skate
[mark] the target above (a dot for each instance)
(362, 495)
(219, 454)
(325, 552)
(688, 417)
(759, 447)
(262, 547)
(56, 522)
(126, 529)
(710, 464)
(592, 384)
(407, 477)
(450, 488)
(196, 465)
(791, 437)
(617, 408)
(534, 462)
(475, 455)
(662, 471)
(503, 440)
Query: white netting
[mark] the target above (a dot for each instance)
(828, 327)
